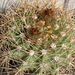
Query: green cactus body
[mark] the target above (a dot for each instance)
(41, 42)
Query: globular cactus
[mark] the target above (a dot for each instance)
(40, 40)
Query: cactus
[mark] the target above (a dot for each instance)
(39, 40)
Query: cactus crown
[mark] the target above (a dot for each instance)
(39, 40)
